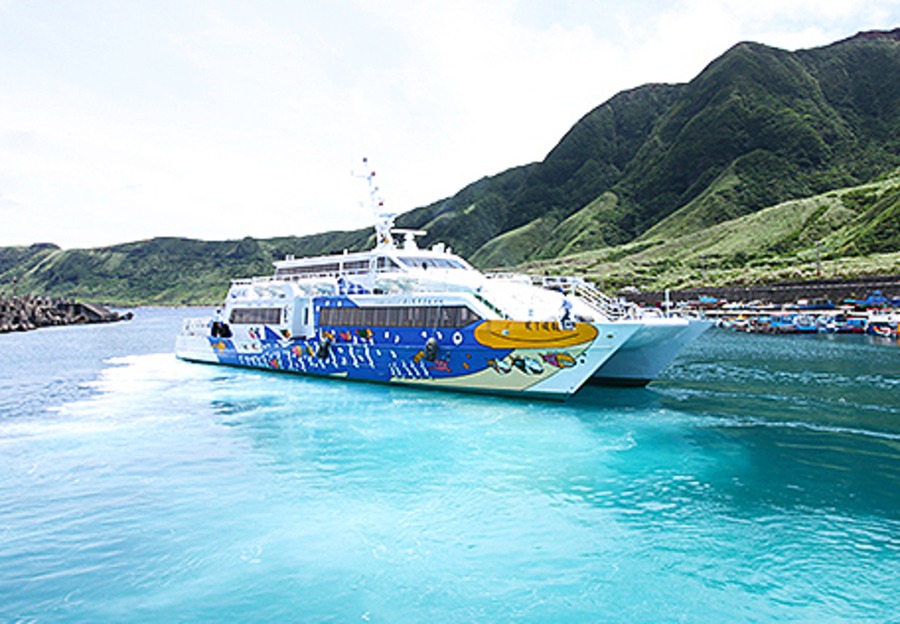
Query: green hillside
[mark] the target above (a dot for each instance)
(757, 127)
(765, 161)
(161, 271)
(589, 160)
(843, 233)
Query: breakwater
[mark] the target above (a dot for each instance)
(31, 312)
(780, 292)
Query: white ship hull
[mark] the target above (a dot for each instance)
(425, 317)
(649, 351)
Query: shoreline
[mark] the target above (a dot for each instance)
(31, 312)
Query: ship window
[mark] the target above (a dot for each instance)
(432, 263)
(327, 268)
(396, 316)
(386, 264)
(262, 316)
(356, 266)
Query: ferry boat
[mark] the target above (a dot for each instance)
(425, 317)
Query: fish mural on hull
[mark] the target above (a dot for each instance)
(518, 353)
(559, 360)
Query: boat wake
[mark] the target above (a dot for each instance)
(130, 391)
(751, 422)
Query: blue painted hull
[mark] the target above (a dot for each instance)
(540, 359)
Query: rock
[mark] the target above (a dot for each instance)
(31, 312)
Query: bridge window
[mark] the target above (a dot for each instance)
(432, 263)
(309, 269)
(386, 264)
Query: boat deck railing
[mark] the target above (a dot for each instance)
(195, 326)
(573, 286)
(301, 277)
(581, 288)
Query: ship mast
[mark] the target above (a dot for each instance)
(384, 221)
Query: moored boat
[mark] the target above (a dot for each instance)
(883, 323)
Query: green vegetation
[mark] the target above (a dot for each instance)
(161, 271)
(844, 233)
(768, 165)
(759, 126)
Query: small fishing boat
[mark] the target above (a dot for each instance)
(883, 323)
(851, 325)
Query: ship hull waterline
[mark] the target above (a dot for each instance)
(510, 358)
(649, 351)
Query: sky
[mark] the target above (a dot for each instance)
(215, 119)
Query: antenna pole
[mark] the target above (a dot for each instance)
(384, 221)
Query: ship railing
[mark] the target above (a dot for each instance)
(195, 326)
(581, 289)
(613, 307)
(302, 277)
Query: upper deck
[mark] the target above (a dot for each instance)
(368, 262)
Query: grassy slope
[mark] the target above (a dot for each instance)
(161, 271)
(757, 127)
(844, 232)
(623, 194)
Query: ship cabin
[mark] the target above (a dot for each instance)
(390, 287)
(408, 258)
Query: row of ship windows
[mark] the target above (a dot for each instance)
(323, 269)
(423, 316)
(382, 264)
(387, 316)
(260, 316)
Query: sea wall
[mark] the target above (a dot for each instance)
(781, 292)
(31, 312)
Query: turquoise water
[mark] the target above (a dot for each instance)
(758, 481)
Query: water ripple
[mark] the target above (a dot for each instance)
(756, 482)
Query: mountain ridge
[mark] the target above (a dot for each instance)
(759, 126)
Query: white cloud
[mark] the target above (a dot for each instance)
(121, 122)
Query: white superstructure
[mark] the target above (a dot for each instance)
(398, 313)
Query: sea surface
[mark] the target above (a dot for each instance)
(758, 481)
